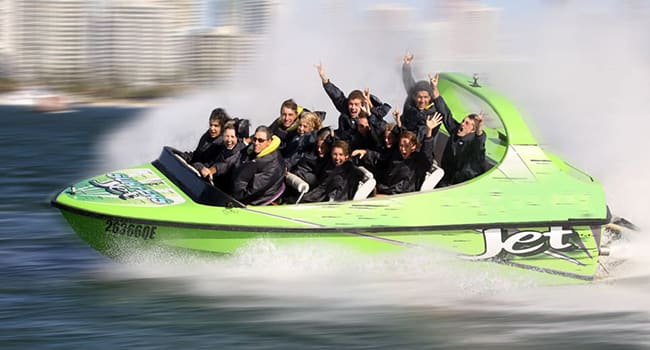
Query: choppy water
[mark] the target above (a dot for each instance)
(57, 293)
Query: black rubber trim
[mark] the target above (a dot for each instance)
(401, 229)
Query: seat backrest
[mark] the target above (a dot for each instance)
(366, 185)
(432, 177)
(298, 184)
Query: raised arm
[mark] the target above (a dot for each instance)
(434, 83)
(448, 120)
(379, 109)
(407, 72)
(432, 125)
(333, 92)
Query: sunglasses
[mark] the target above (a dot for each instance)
(258, 140)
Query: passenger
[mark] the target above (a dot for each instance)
(464, 154)
(390, 135)
(243, 127)
(286, 125)
(351, 106)
(311, 167)
(419, 102)
(260, 175)
(221, 169)
(304, 142)
(404, 168)
(365, 135)
(341, 180)
(210, 141)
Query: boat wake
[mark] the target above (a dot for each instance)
(333, 282)
(321, 276)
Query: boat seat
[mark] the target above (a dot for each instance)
(432, 177)
(366, 185)
(298, 184)
(276, 195)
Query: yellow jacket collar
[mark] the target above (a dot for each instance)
(275, 143)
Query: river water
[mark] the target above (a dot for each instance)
(58, 293)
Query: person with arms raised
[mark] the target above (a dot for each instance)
(352, 105)
(464, 154)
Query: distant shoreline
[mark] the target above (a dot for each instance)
(91, 103)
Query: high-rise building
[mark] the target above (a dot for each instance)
(51, 40)
(6, 31)
(137, 43)
(250, 16)
(127, 43)
(215, 53)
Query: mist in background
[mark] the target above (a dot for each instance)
(578, 71)
(579, 74)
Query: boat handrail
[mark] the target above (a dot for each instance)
(516, 130)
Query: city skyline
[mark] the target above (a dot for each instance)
(148, 43)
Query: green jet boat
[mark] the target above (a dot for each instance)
(530, 213)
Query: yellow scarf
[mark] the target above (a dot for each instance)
(275, 143)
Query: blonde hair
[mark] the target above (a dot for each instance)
(312, 120)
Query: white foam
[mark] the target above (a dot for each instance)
(581, 79)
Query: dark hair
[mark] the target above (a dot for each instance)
(220, 115)
(409, 135)
(422, 85)
(291, 104)
(324, 134)
(342, 145)
(243, 128)
(473, 117)
(266, 130)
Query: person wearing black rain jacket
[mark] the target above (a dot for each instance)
(260, 175)
(340, 180)
(464, 154)
(418, 105)
(311, 167)
(351, 106)
(222, 168)
(403, 169)
(210, 142)
(286, 125)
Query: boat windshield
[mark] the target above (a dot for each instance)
(189, 180)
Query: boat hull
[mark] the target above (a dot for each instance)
(562, 253)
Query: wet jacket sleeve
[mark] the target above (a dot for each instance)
(372, 159)
(244, 177)
(345, 128)
(474, 164)
(427, 151)
(336, 95)
(448, 120)
(407, 77)
(379, 109)
(227, 165)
